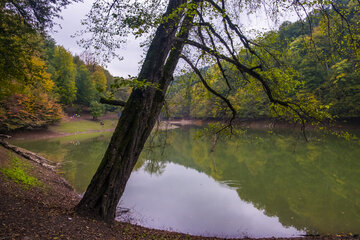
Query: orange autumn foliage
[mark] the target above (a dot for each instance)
(33, 110)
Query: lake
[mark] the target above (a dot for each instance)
(259, 184)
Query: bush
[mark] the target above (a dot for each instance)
(96, 109)
(26, 111)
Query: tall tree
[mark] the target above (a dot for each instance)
(64, 74)
(85, 87)
(138, 118)
(99, 79)
(210, 32)
(20, 23)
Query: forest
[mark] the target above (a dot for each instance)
(324, 66)
(40, 79)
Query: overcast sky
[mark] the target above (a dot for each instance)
(70, 23)
(131, 52)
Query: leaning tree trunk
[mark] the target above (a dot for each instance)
(138, 119)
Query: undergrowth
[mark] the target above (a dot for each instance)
(17, 171)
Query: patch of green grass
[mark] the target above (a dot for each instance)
(83, 126)
(17, 172)
(80, 137)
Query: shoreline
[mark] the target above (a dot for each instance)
(65, 204)
(168, 124)
(49, 213)
(50, 133)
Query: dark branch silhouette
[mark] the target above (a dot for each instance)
(112, 102)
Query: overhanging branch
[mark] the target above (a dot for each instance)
(198, 73)
(242, 68)
(112, 102)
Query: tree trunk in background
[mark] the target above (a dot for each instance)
(137, 121)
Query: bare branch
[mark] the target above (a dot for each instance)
(214, 46)
(234, 27)
(242, 68)
(227, 30)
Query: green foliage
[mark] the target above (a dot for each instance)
(132, 82)
(26, 86)
(99, 80)
(17, 46)
(312, 64)
(83, 126)
(85, 86)
(344, 89)
(20, 25)
(35, 74)
(96, 109)
(17, 171)
(63, 73)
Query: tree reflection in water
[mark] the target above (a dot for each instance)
(308, 185)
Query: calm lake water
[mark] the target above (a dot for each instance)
(256, 185)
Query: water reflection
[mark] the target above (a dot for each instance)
(247, 187)
(182, 199)
(78, 156)
(313, 186)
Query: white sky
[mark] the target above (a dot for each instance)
(70, 24)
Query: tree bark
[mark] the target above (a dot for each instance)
(138, 119)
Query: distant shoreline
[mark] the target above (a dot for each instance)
(168, 124)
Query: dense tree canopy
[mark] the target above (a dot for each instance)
(36, 74)
(20, 22)
(64, 74)
(324, 72)
(85, 87)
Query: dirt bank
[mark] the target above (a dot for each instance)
(46, 211)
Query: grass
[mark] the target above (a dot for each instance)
(83, 126)
(80, 137)
(17, 172)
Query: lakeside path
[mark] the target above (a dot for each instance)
(76, 127)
